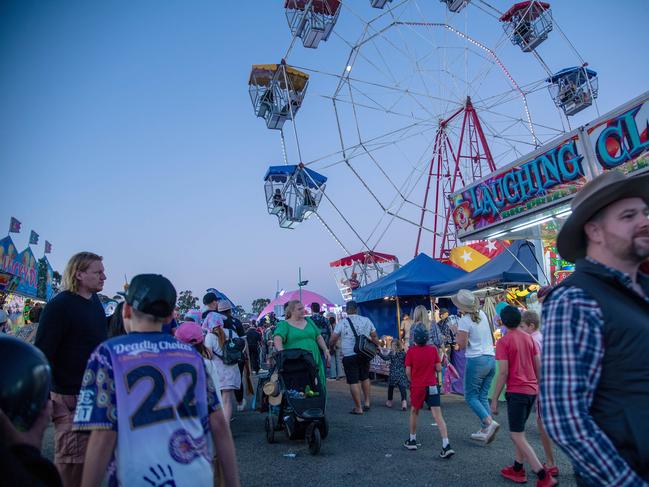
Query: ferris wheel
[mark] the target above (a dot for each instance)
(418, 99)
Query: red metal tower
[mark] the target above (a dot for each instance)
(465, 163)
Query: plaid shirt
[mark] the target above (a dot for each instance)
(573, 348)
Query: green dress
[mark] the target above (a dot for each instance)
(305, 339)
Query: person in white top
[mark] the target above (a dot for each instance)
(474, 335)
(228, 374)
(357, 368)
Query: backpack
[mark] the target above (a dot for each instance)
(323, 326)
(233, 350)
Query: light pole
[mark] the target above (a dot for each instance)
(300, 282)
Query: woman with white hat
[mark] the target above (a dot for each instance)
(474, 334)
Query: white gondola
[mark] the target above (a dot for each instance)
(312, 20)
(574, 89)
(528, 24)
(455, 5)
(277, 92)
(293, 193)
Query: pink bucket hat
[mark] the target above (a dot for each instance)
(189, 332)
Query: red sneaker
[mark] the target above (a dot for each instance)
(519, 477)
(554, 471)
(548, 481)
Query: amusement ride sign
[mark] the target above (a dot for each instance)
(544, 181)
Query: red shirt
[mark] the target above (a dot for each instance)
(519, 350)
(422, 360)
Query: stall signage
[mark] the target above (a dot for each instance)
(622, 142)
(549, 176)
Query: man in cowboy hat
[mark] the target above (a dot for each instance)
(595, 373)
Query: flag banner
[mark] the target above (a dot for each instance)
(48, 247)
(14, 226)
(33, 238)
(471, 256)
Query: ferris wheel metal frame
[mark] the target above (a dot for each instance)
(447, 164)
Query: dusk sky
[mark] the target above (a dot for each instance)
(127, 129)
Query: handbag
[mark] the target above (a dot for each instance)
(363, 346)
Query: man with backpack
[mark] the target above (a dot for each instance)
(357, 366)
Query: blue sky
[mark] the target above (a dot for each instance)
(126, 129)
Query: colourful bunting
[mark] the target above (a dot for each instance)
(14, 225)
(33, 238)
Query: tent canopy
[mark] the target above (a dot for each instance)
(502, 270)
(412, 279)
(308, 297)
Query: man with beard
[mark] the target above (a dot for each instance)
(595, 372)
(73, 323)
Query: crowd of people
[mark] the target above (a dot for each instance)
(147, 396)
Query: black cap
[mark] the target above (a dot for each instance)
(151, 294)
(24, 383)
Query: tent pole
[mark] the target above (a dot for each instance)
(398, 318)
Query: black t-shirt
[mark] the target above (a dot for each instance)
(70, 328)
(254, 338)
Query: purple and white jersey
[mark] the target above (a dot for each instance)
(152, 390)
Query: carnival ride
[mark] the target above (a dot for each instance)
(418, 107)
(354, 271)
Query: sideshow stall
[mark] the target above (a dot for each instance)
(530, 198)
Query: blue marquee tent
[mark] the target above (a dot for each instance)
(516, 265)
(405, 288)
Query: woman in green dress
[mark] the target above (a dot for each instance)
(297, 331)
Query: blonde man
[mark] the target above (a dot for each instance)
(73, 323)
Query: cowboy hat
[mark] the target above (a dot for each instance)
(466, 301)
(599, 193)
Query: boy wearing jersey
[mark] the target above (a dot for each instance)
(146, 399)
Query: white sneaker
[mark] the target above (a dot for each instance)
(479, 436)
(242, 406)
(492, 429)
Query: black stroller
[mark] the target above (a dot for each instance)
(301, 412)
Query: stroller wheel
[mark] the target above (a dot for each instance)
(324, 428)
(269, 425)
(313, 439)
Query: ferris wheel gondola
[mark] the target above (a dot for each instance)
(357, 270)
(573, 89)
(379, 3)
(312, 20)
(528, 24)
(276, 92)
(293, 193)
(455, 5)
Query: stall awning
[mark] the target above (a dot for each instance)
(412, 279)
(364, 258)
(516, 265)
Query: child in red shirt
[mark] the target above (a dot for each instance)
(519, 365)
(422, 365)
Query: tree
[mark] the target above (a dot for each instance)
(186, 302)
(57, 278)
(259, 304)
